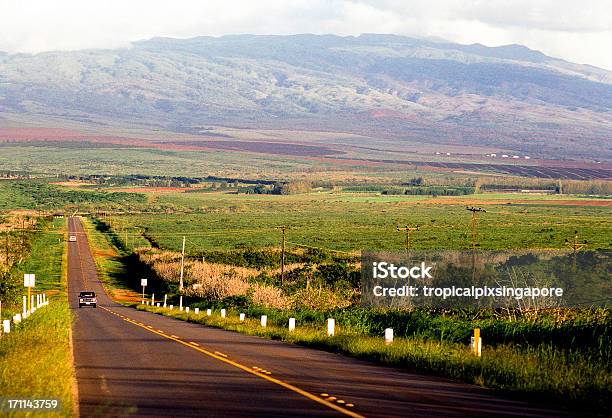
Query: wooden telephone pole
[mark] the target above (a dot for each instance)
(182, 265)
(575, 245)
(474, 228)
(283, 228)
(474, 224)
(408, 230)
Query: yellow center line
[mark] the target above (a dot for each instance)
(244, 368)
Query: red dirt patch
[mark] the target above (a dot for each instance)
(150, 189)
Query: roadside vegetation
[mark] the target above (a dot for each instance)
(36, 357)
(576, 378)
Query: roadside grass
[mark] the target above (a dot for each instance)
(110, 264)
(45, 258)
(543, 372)
(36, 357)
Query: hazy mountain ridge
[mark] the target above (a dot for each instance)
(407, 88)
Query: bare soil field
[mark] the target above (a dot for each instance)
(276, 148)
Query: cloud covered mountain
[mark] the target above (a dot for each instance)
(378, 85)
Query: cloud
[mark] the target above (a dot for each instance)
(576, 31)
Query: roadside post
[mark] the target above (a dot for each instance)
(476, 343)
(25, 307)
(180, 303)
(331, 327)
(242, 317)
(165, 299)
(143, 283)
(388, 335)
(197, 311)
(264, 320)
(6, 325)
(291, 324)
(152, 299)
(208, 312)
(223, 313)
(28, 281)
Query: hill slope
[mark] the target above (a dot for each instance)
(379, 85)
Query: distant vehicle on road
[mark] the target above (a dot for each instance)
(87, 299)
(72, 238)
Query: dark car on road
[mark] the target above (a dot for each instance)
(87, 299)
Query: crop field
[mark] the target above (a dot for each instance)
(260, 154)
(354, 221)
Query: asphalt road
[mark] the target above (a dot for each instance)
(132, 363)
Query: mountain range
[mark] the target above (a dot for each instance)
(406, 89)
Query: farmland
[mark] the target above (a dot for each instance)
(353, 221)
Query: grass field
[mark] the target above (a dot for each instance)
(36, 357)
(354, 221)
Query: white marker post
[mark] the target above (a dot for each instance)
(33, 307)
(6, 325)
(153, 299)
(242, 317)
(388, 335)
(208, 312)
(157, 304)
(180, 303)
(143, 283)
(187, 309)
(291, 324)
(223, 313)
(165, 299)
(197, 311)
(264, 320)
(331, 327)
(171, 307)
(25, 307)
(17, 318)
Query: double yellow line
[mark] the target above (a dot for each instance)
(244, 368)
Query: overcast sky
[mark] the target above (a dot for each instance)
(578, 31)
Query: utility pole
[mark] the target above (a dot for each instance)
(6, 247)
(575, 245)
(283, 228)
(182, 265)
(408, 230)
(474, 224)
